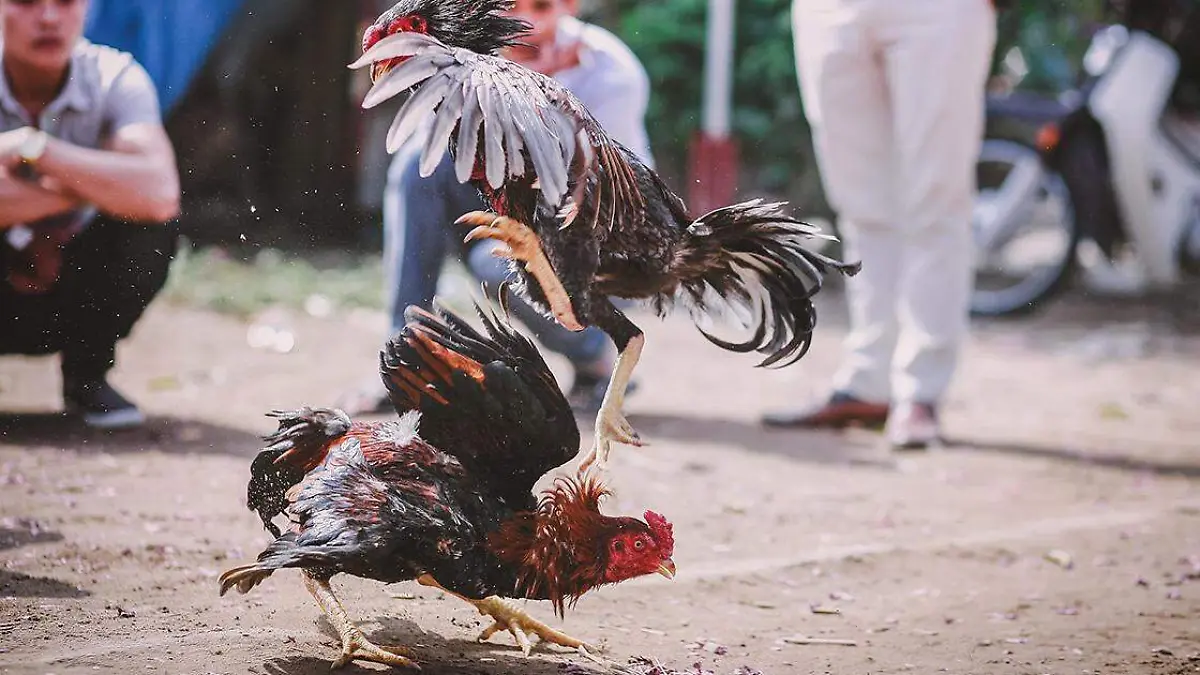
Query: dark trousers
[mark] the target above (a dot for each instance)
(110, 273)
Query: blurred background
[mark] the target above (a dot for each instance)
(273, 146)
(1058, 530)
(282, 169)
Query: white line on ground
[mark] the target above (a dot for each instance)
(713, 570)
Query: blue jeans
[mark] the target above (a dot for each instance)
(418, 233)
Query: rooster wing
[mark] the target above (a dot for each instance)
(486, 398)
(534, 130)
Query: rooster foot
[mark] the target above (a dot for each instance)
(521, 243)
(507, 616)
(355, 645)
(611, 426)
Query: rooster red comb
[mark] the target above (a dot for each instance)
(661, 529)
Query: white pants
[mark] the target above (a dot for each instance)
(894, 92)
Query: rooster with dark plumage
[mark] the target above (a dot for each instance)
(581, 216)
(443, 494)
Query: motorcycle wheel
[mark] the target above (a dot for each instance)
(1024, 229)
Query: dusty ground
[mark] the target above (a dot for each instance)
(1059, 533)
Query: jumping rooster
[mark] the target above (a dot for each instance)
(581, 214)
(443, 495)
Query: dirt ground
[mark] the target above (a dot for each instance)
(1058, 532)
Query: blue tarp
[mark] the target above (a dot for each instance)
(171, 38)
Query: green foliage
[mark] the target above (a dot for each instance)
(213, 279)
(1051, 37)
(768, 119)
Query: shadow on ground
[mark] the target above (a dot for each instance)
(162, 434)
(15, 533)
(1080, 456)
(816, 447)
(438, 655)
(17, 585)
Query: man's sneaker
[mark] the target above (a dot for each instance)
(101, 406)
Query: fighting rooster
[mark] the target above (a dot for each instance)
(443, 494)
(579, 214)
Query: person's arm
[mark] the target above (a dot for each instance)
(22, 201)
(134, 178)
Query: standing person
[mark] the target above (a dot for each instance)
(418, 213)
(894, 93)
(87, 177)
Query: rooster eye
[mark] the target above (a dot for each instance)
(639, 544)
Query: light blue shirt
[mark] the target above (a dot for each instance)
(106, 90)
(611, 83)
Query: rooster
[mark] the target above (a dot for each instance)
(580, 216)
(443, 494)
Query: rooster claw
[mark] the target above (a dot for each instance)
(507, 617)
(356, 646)
(520, 243)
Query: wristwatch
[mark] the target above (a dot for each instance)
(33, 147)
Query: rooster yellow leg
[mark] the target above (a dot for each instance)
(507, 616)
(355, 645)
(521, 243)
(611, 424)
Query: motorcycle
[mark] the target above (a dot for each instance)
(1104, 180)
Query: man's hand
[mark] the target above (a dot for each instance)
(26, 201)
(10, 146)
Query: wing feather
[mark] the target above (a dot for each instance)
(533, 128)
(448, 114)
(395, 46)
(417, 109)
(499, 410)
(468, 133)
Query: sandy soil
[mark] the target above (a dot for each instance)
(1059, 532)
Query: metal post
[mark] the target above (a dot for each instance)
(712, 170)
(718, 69)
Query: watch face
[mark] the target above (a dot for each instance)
(33, 146)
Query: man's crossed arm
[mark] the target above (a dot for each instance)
(133, 177)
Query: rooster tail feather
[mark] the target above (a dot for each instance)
(244, 577)
(281, 553)
(294, 449)
(751, 256)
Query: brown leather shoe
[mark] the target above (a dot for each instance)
(913, 426)
(839, 411)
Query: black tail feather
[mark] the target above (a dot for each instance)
(282, 553)
(302, 436)
(751, 254)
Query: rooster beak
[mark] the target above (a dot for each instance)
(380, 68)
(667, 568)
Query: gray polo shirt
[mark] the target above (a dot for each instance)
(105, 91)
